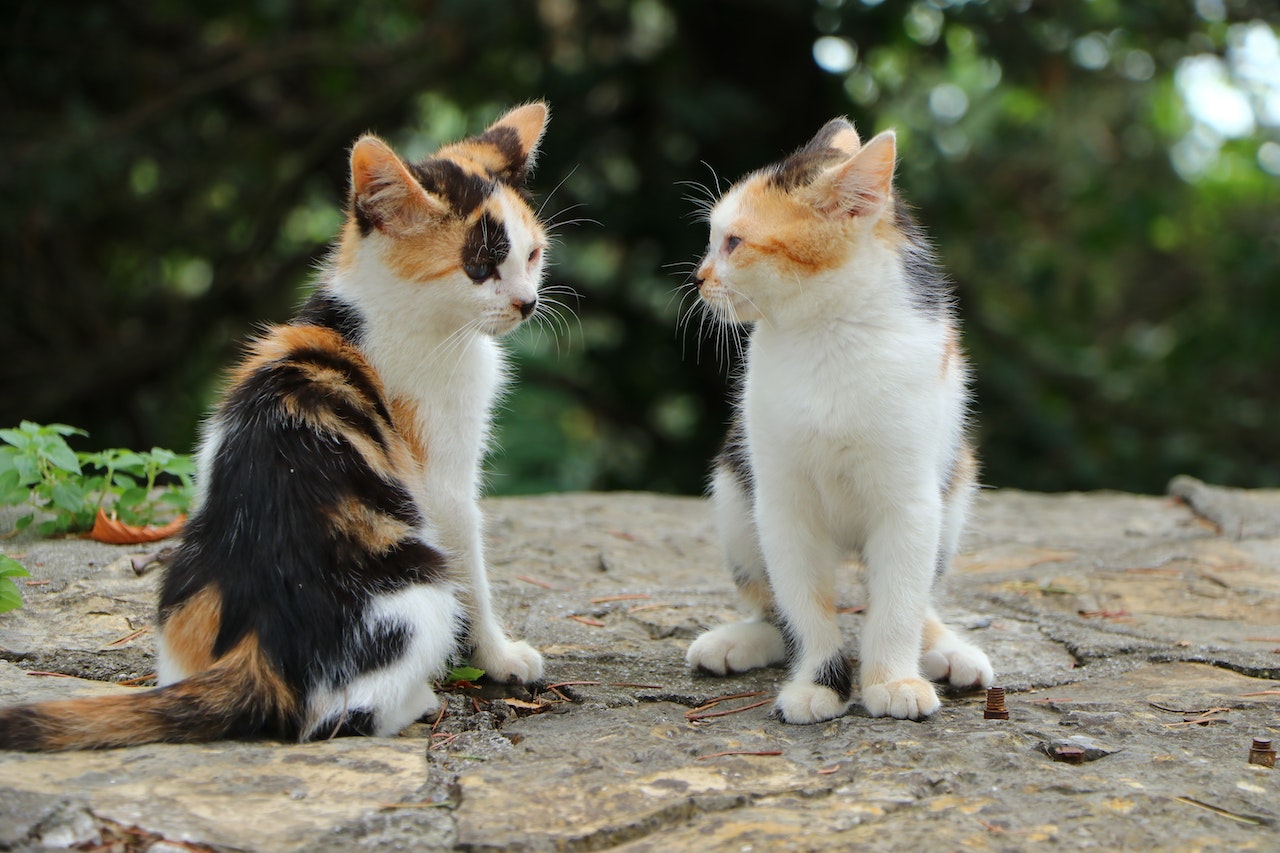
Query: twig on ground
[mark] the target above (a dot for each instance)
(739, 752)
(536, 582)
(630, 596)
(693, 718)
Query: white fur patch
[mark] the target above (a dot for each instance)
(400, 692)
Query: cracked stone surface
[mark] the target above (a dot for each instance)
(1144, 630)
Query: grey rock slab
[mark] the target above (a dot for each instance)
(1145, 627)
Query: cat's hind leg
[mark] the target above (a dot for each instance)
(947, 657)
(755, 641)
(407, 638)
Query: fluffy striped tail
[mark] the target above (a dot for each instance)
(211, 705)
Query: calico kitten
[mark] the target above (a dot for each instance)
(849, 436)
(334, 563)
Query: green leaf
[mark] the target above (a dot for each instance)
(11, 568)
(28, 468)
(10, 598)
(15, 437)
(180, 466)
(61, 455)
(67, 495)
(133, 463)
(24, 522)
(62, 429)
(132, 497)
(463, 673)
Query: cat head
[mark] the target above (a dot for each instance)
(797, 221)
(451, 239)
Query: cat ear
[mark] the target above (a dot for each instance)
(861, 185)
(515, 137)
(839, 133)
(384, 194)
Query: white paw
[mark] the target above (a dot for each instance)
(961, 665)
(904, 699)
(804, 702)
(509, 662)
(737, 647)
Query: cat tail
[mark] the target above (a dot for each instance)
(211, 705)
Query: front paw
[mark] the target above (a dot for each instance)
(737, 647)
(805, 702)
(509, 662)
(961, 666)
(904, 699)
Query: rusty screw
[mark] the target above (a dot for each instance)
(1069, 754)
(995, 709)
(1262, 752)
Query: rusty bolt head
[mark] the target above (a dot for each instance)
(995, 709)
(1262, 752)
(1069, 754)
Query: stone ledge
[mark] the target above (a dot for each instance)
(1112, 617)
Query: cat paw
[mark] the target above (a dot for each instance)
(961, 666)
(737, 647)
(809, 703)
(509, 662)
(904, 699)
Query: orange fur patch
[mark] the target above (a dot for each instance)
(757, 594)
(950, 351)
(376, 531)
(191, 629)
(404, 414)
(431, 253)
(933, 631)
(787, 233)
(964, 471)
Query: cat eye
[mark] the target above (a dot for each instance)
(478, 272)
(730, 243)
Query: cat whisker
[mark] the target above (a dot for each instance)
(553, 192)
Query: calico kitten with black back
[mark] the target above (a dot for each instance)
(849, 435)
(334, 563)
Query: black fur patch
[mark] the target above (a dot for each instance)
(486, 243)
(802, 167)
(444, 178)
(735, 455)
(21, 729)
(324, 309)
(931, 290)
(264, 540)
(507, 141)
(837, 674)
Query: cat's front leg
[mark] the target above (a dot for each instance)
(900, 555)
(802, 558)
(502, 659)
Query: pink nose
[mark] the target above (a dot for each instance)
(525, 308)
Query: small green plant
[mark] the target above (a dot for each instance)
(10, 598)
(465, 673)
(39, 468)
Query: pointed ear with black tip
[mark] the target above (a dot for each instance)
(384, 194)
(514, 138)
(839, 133)
(861, 185)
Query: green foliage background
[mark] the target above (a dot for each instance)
(172, 170)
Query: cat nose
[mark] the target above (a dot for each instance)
(525, 308)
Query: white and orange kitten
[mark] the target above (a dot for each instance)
(850, 434)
